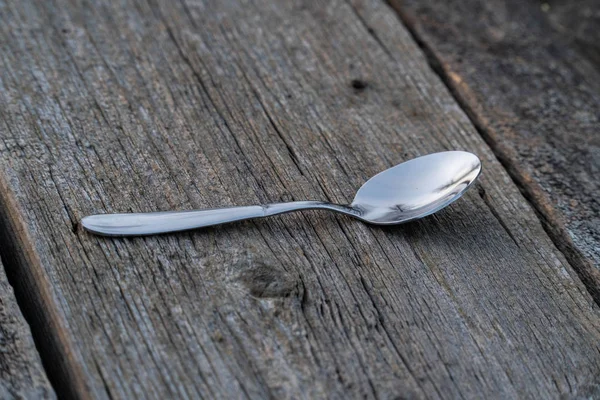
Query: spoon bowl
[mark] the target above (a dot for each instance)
(416, 188)
(408, 191)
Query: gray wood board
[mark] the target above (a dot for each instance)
(21, 371)
(577, 21)
(135, 106)
(528, 74)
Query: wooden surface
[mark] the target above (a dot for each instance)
(528, 74)
(21, 371)
(134, 106)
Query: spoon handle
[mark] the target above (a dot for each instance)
(140, 224)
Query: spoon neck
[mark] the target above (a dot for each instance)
(281, 208)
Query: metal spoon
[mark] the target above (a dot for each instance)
(403, 193)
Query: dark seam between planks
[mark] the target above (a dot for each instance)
(3, 264)
(374, 35)
(545, 213)
(51, 342)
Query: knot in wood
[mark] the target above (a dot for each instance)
(266, 280)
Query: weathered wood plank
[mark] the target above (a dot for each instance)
(21, 373)
(577, 21)
(135, 106)
(528, 73)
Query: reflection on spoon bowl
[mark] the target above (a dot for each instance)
(416, 188)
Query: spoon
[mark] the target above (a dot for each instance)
(408, 191)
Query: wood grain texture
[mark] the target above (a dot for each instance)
(21, 373)
(140, 106)
(577, 21)
(528, 73)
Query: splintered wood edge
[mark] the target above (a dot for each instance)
(32, 284)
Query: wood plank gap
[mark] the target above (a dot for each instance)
(30, 286)
(548, 216)
(21, 372)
